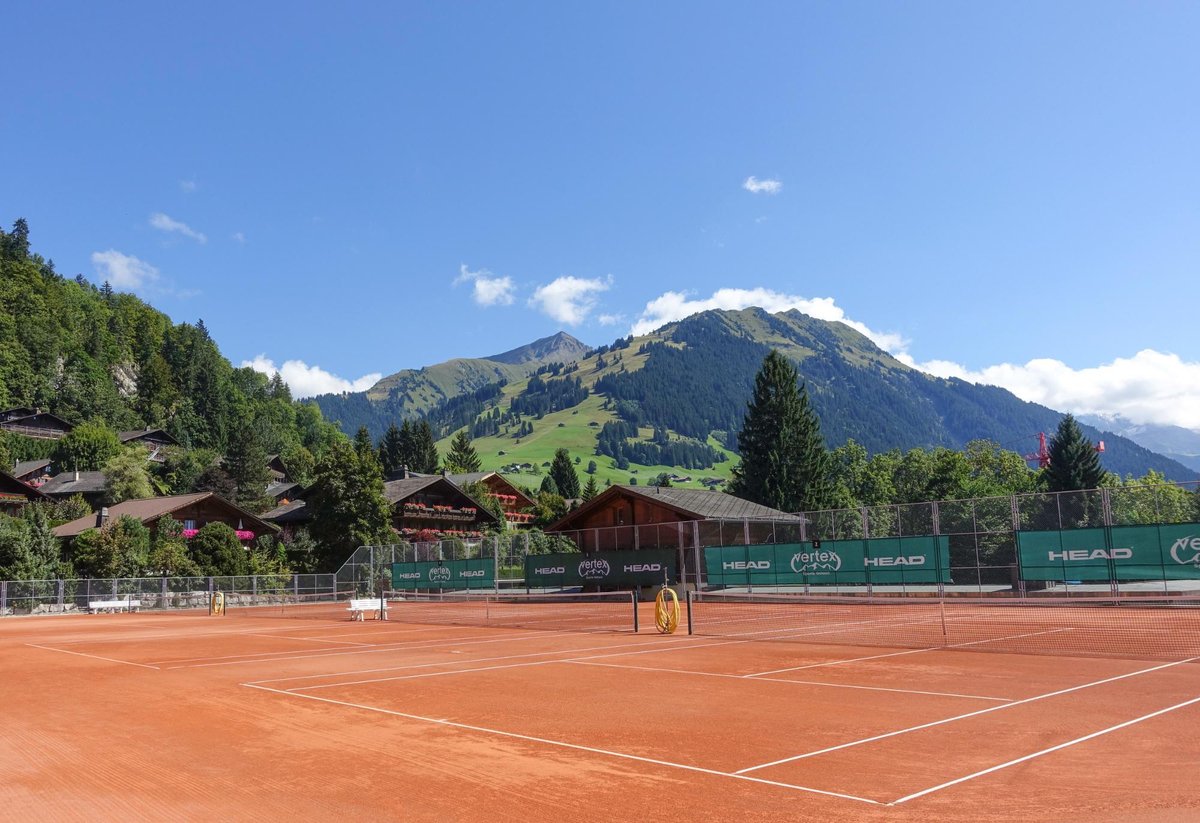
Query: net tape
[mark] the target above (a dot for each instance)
(583, 612)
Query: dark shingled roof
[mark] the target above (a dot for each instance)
(690, 504)
(29, 466)
(294, 512)
(137, 434)
(397, 491)
(10, 485)
(64, 484)
(152, 508)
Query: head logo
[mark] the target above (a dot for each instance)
(816, 562)
(1186, 551)
(594, 569)
(439, 574)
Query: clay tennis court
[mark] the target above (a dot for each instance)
(182, 716)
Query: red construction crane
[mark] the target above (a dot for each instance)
(1042, 455)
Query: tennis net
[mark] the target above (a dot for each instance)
(1158, 627)
(320, 606)
(582, 612)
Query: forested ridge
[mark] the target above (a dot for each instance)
(88, 353)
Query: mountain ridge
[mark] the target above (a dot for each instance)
(691, 379)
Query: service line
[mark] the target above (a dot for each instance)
(977, 713)
(565, 745)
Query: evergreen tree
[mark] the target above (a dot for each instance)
(425, 453)
(391, 449)
(246, 464)
(591, 467)
(785, 464)
(362, 442)
(548, 485)
(590, 490)
(1074, 461)
(462, 457)
(563, 472)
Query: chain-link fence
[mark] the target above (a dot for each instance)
(154, 593)
(981, 534)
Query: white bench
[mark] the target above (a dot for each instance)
(359, 607)
(95, 606)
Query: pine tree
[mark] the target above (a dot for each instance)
(1074, 462)
(246, 464)
(362, 442)
(590, 490)
(391, 449)
(548, 485)
(563, 472)
(785, 464)
(425, 453)
(462, 457)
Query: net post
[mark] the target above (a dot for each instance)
(691, 630)
(942, 609)
(633, 596)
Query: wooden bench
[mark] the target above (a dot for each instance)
(359, 607)
(95, 606)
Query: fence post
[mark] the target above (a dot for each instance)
(696, 550)
(254, 584)
(59, 587)
(3, 597)
(296, 585)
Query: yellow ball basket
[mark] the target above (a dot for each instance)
(666, 611)
(216, 605)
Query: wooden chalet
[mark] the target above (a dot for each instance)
(15, 495)
(435, 508)
(621, 507)
(68, 484)
(33, 472)
(511, 499)
(34, 423)
(194, 511)
(278, 471)
(155, 440)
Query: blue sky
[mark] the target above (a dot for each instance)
(1008, 193)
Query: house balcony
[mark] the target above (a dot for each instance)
(421, 511)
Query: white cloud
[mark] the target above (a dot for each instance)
(489, 290)
(610, 319)
(676, 305)
(306, 381)
(569, 299)
(123, 271)
(238, 237)
(756, 186)
(187, 186)
(1150, 387)
(162, 222)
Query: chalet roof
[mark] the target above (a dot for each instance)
(65, 484)
(690, 504)
(397, 491)
(293, 512)
(29, 467)
(139, 434)
(16, 417)
(278, 490)
(151, 508)
(10, 485)
(468, 478)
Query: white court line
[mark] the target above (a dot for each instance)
(1021, 702)
(523, 655)
(1027, 757)
(909, 651)
(526, 664)
(314, 640)
(565, 745)
(93, 656)
(780, 680)
(400, 645)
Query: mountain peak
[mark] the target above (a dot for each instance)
(557, 348)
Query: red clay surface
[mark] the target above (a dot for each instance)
(184, 716)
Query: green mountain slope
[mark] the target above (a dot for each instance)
(685, 386)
